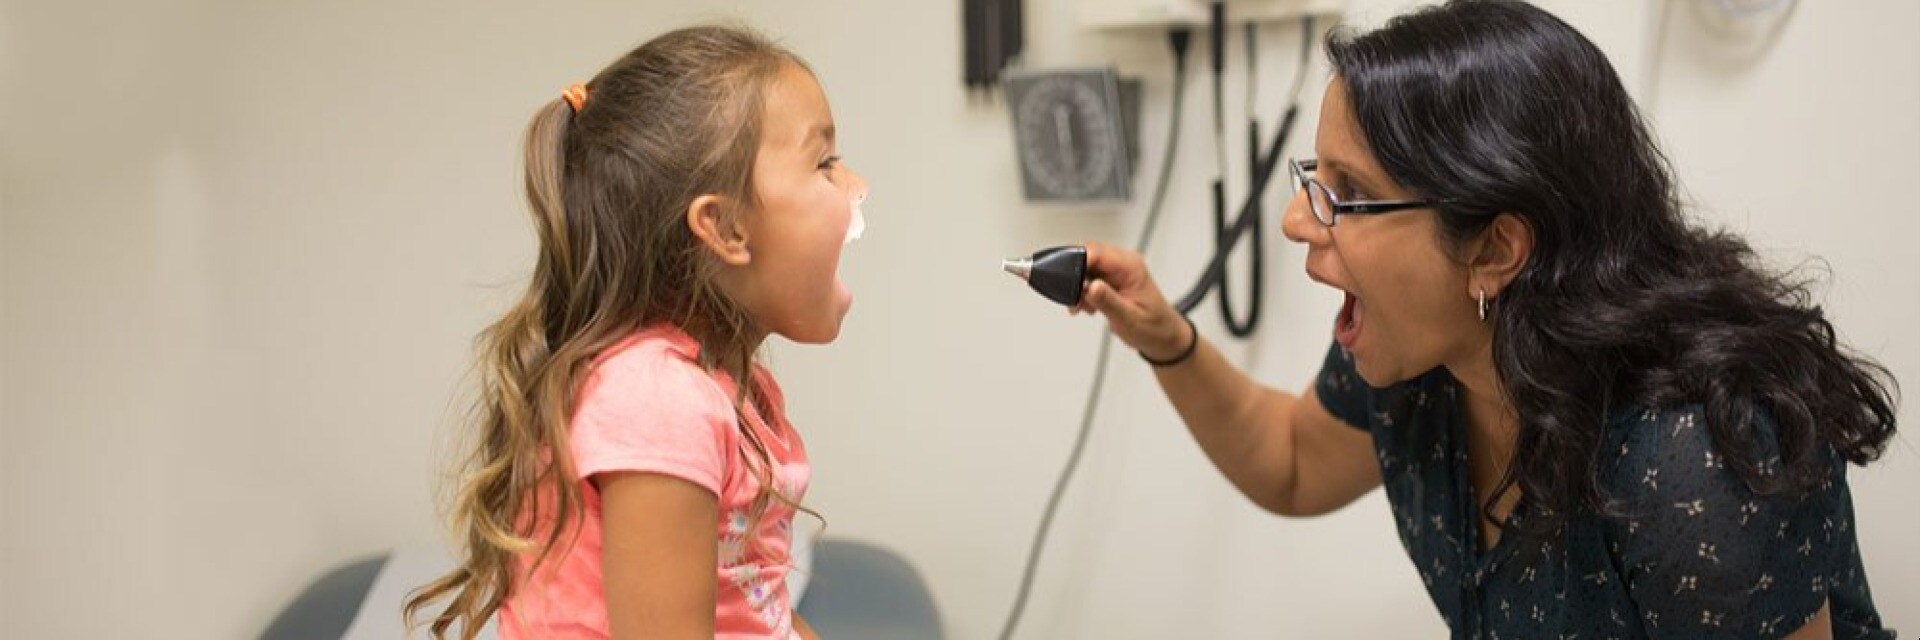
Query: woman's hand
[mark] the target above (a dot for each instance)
(1120, 288)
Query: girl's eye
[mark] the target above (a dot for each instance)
(827, 164)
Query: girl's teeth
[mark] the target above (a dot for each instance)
(858, 226)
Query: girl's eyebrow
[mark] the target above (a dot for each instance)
(820, 134)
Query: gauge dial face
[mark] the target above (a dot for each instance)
(1068, 130)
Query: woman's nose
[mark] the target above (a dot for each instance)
(1298, 223)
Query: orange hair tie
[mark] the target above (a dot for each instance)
(576, 95)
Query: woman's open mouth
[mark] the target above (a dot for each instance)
(1346, 327)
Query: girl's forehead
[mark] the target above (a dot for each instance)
(796, 109)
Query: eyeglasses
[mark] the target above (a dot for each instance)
(1327, 207)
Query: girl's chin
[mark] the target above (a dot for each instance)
(842, 303)
(824, 327)
(842, 296)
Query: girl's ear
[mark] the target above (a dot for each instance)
(721, 234)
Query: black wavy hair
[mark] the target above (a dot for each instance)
(1499, 106)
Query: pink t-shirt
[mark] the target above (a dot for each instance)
(648, 406)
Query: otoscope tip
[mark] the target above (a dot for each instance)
(1021, 268)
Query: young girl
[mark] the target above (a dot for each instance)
(635, 474)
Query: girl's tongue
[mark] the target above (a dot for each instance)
(1346, 328)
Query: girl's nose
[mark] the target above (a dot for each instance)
(856, 181)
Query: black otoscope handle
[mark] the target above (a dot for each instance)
(1060, 273)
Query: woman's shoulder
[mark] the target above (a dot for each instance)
(1685, 497)
(1643, 440)
(1701, 549)
(1674, 452)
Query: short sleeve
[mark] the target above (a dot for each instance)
(1707, 557)
(1341, 390)
(648, 410)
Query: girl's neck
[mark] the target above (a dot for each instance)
(751, 343)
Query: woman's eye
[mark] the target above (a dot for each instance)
(1348, 192)
(1339, 189)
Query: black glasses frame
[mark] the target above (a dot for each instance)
(1301, 180)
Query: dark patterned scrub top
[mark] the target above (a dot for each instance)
(1703, 556)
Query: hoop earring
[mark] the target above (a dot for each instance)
(1483, 305)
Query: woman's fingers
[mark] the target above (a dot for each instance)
(1084, 306)
(1119, 288)
(1126, 312)
(1108, 263)
(1100, 296)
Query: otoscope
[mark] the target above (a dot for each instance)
(1057, 273)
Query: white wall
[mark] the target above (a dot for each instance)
(245, 246)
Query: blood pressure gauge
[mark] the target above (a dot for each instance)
(1073, 131)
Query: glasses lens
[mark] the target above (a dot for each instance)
(1320, 202)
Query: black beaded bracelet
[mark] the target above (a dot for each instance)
(1192, 345)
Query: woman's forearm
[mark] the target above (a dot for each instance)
(1235, 420)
